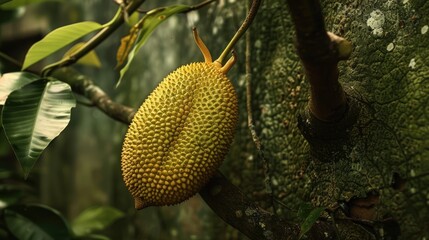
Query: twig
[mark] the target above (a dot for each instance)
(10, 59)
(249, 95)
(16, 63)
(250, 124)
(244, 26)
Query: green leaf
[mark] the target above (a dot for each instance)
(36, 222)
(20, 3)
(310, 219)
(33, 116)
(133, 19)
(10, 82)
(58, 39)
(95, 218)
(148, 24)
(4, 149)
(90, 59)
(304, 210)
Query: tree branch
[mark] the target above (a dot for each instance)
(330, 113)
(320, 52)
(242, 213)
(84, 86)
(239, 211)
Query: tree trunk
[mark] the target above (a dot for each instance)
(359, 172)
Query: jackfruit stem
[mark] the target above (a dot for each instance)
(203, 48)
(228, 65)
(139, 203)
(244, 26)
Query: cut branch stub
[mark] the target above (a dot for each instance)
(320, 52)
(330, 114)
(328, 99)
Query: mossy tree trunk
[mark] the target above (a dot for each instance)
(378, 171)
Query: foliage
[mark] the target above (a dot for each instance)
(308, 216)
(34, 221)
(26, 220)
(34, 115)
(58, 39)
(141, 31)
(95, 218)
(54, 98)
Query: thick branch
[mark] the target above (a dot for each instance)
(330, 113)
(239, 211)
(320, 52)
(84, 86)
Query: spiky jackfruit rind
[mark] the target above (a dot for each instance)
(179, 136)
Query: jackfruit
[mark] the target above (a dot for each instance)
(180, 134)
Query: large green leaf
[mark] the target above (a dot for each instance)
(95, 218)
(10, 82)
(58, 39)
(36, 222)
(33, 116)
(148, 24)
(20, 3)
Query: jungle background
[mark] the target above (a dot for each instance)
(387, 76)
